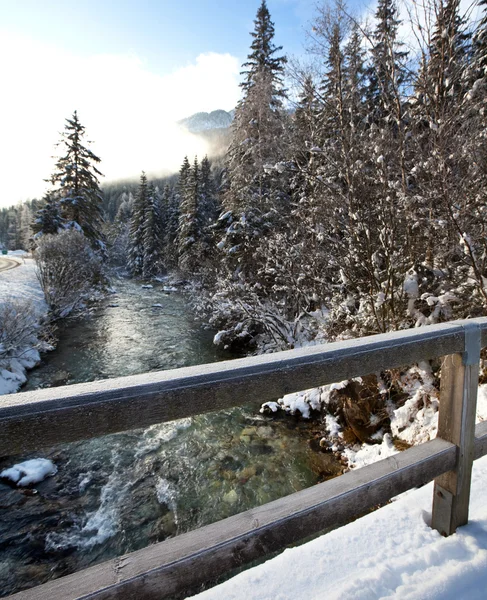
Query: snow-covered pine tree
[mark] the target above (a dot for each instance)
(12, 229)
(254, 195)
(124, 212)
(48, 218)
(76, 183)
(387, 73)
(153, 235)
(25, 226)
(189, 231)
(170, 203)
(440, 130)
(208, 207)
(478, 70)
(136, 235)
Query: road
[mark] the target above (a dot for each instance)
(7, 263)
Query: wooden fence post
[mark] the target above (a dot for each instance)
(458, 404)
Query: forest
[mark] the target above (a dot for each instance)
(349, 203)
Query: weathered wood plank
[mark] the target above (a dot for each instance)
(456, 424)
(164, 569)
(42, 418)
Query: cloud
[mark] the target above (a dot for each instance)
(128, 111)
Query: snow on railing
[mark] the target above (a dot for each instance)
(42, 418)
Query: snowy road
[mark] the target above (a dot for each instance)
(8, 263)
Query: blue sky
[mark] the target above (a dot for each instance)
(165, 34)
(131, 68)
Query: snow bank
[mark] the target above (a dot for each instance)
(20, 285)
(30, 471)
(391, 553)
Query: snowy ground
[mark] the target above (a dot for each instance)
(391, 553)
(22, 282)
(21, 286)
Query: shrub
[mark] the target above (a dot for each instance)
(67, 269)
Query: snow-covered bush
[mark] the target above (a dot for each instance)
(22, 335)
(18, 326)
(67, 269)
(246, 321)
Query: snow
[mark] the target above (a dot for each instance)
(22, 282)
(300, 402)
(482, 403)
(218, 338)
(391, 553)
(30, 471)
(370, 453)
(21, 285)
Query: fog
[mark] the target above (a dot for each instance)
(129, 112)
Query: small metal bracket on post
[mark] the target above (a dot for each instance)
(473, 344)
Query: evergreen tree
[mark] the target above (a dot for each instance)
(25, 226)
(12, 230)
(170, 208)
(48, 219)
(255, 196)
(441, 83)
(387, 72)
(124, 212)
(152, 235)
(136, 235)
(479, 49)
(189, 222)
(76, 181)
(208, 208)
(261, 61)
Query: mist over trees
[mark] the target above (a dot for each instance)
(362, 197)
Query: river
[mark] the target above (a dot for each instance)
(119, 493)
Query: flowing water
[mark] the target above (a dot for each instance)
(119, 493)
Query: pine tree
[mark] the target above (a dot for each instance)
(12, 230)
(48, 219)
(261, 61)
(152, 235)
(208, 208)
(189, 223)
(387, 73)
(136, 235)
(255, 196)
(25, 226)
(170, 209)
(258, 124)
(124, 212)
(479, 47)
(442, 80)
(77, 186)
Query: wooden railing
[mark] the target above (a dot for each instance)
(39, 419)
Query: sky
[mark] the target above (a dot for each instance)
(131, 68)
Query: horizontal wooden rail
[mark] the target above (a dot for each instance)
(157, 572)
(46, 417)
(42, 418)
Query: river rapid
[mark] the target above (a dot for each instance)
(122, 492)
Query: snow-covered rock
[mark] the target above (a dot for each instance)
(30, 471)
